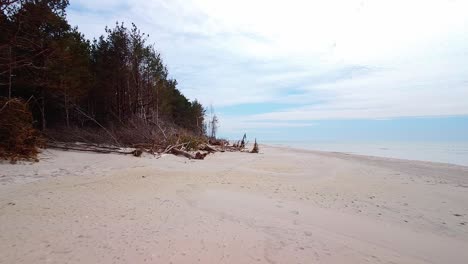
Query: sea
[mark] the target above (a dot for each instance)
(444, 152)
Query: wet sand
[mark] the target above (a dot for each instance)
(281, 206)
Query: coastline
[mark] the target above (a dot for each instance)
(344, 154)
(284, 205)
(451, 152)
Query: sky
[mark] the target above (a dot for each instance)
(310, 70)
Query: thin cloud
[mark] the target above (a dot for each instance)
(327, 59)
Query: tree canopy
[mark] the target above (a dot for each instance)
(69, 80)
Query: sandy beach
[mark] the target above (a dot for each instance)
(281, 206)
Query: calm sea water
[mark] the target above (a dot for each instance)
(446, 152)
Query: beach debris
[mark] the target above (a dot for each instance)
(78, 146)
(179, 152)
(137, 152)
(191, 147)
(242, 143)
(255, 147)
(210, 149)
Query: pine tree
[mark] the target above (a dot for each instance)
(117, 79)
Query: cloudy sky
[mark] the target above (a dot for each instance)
(332, 70)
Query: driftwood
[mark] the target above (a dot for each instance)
(242, 143)
(255, 147)
(218, 142)
(186, 154)
(209, 148)
(91, 148)
(96, 145)
(177, 149)
(179, 152)
(200, 155)
(233, 148)
(170, 147)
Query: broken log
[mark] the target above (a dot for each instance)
(186, 154)
(208, 148)
(200, 155)
(179, 152)
(137, 152)
(90, 149)
(255, 147)
(170, 147)
(90, 145)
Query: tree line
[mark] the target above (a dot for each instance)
(69, 81)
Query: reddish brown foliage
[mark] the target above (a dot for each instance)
(19, 140)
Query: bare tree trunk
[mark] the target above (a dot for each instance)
(130, 110)
(10, 75)
(43, 110)
(157, 103)
(67, 116)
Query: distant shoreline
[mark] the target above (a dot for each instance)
(410, 155)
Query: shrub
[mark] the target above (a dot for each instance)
(19, 140)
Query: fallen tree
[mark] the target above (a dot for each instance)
(93, 148)
(189, 149)
(255, 148)
(198, 155)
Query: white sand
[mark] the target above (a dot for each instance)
(281, 206)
